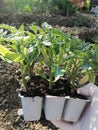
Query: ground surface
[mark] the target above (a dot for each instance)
(9, 100)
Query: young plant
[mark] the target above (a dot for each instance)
(92, 57)
(17, 45)
(77, 68)
(53, 54)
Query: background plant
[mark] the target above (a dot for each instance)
(87, 4)
(21, 6)
(39, 6)
(66, 6)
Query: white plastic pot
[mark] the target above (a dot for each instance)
(53, 107)
(73, 108)
(32, 107)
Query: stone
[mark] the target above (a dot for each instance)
(20, 112)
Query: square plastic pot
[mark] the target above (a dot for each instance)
(73, 108)
(32, 107)
(53, 107)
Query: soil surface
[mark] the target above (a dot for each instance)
(83, 25)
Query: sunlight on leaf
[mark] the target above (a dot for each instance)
(10, 55)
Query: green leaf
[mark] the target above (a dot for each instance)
(91, 77)
(24, 51)
(30, 34)
(33, 56)
(21, 28)
(10, 28)
(96, 49)
(46, 43)
(44, 53)
(58, 73)
(34, 28)
(46, 25)
(9, 54)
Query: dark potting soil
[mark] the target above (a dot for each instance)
(40, 87)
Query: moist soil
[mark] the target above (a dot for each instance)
(81, 24)
(40, 87)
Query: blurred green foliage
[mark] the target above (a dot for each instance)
(64, 7)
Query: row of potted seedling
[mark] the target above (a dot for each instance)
(45, 47)
(55, 108)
